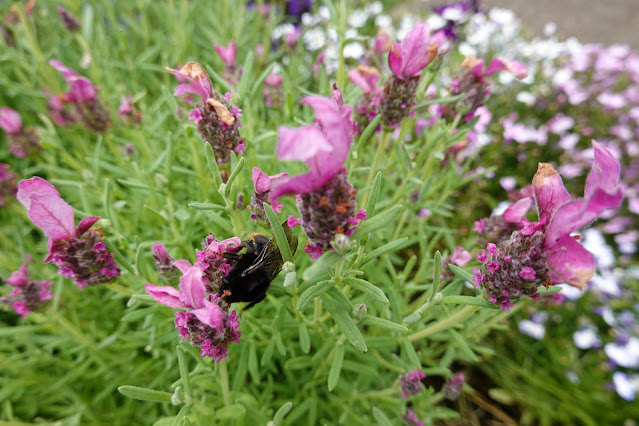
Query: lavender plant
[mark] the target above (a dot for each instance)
(376, 320)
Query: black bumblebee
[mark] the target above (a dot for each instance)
(254, 267)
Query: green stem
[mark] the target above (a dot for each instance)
(224, 383)
(456, 318)
(378, 154)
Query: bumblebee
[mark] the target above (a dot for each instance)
(254, 267)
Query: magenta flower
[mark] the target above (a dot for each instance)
(78, 251)
(206, 322)
(129, 112)
(544, 252)
(85, 107)
(453, 386)
(408, 59)
(68, 19)
(22, 141)
(27, 295)
(164, 264)
(7, 183)
(263, 184)
(217, 120)
(227, 53)
(273, 93)
(479, 69)
(411, 383)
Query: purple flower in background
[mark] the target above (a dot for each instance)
(78, 252)
(263, 184)
(83, 102)
(227, 53)
(8, 186)
(325, 199)
(544, 252)
(453, 387)
(128, 111)
(411, 383)
(216, 118)
(68, 19)
(206, 322)
(27, 295)
(406, 61)
(273, 93)
(164, 264)
(367, 107)
(411, 419)
(22, 141)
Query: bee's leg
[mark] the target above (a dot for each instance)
(255, 301)
(231, 256)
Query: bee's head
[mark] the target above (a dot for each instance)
(255, 242)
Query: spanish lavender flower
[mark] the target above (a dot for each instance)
(217, 120)
(232, 73)
(411, 419)
(68, 19)
(7, 183)
(544, 252)
(326, 200)
(273, 93)
(263, 184)
(453, 387)
(475, 87)
(406, 61)
(411, 383)
(498, 228)
(459, 257)
(28, 295)
(367, 107)
(128, 111)
(78, 252)
(207, 322)
(22, 141)
(85, 107)
(164, 264)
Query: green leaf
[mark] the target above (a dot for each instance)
(234, 173)
(206, 206)
(132, 184)
(409, 351)
(436, 274)
(379, 221)
(184, 369)
(234, 411)
(368, 131)
(384, 323)
(281, 413)
(247, 74)
(336, 367)
(261, 78)
(339, 297)
(374, 194)
(385, 249)
(465, 275)
(145, 394)
(318, 267)
(468, 300)
(347, 325)
(382, 419)
(305, 340)
(549, 290)
(463, 345)
(278, 231)
(312, 292)
(366, 287)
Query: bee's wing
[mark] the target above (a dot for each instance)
(270, 257)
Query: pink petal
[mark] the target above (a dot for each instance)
(182, 265)
(66, 71)
(273, 80)
(166, 295)
(35, 185)
(211, 314)
(571, 262)
(160, 252)
(81, 89)
(10, 120)
(415, 50)
(85, 224)
(604, 173)
(301, 144)
(337, 130)
(19, 277)
(300, 184)
(549, 190)
(193, 287)
(53, 215)
(395, 59)
(260, 180)
(227, 53)
(516, 212)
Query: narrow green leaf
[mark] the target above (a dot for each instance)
(234, 173)
(252, 363)
(231, 412)
(212, 163)
(368, 131)
(463, 345)
(311, 293)
(121, 260)
(373, 195)
(305, 340)
(278, 231)
(320, 266)
(347, 325)
(336, 367)
(382, 220)
(281, 413)
(382, 419)
(184, 370)
(385, 249)
(340, 298)
(460, 272)
(409, 351)
(384, 323)
(366, 287)
(549, 290)
(436, 275)
(247, 74)
(145, 394)
(132, 184)
(206, 206)
(261, 78)
(468, 300)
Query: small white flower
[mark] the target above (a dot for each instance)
(625, 387)
(624, 356)
(532, 329)
(357, 18)
(586, 338)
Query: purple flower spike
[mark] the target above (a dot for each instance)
(28, 295)
(206, 322)
(68, 19)
(22, 141)
(263, 184)
(411, 383)
(10, 120)
(78, 251)
(227, 53)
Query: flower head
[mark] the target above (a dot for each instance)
(10, 120)
(416, 51)
(227, 53)
(263, 184)
(7, 183)
(68, 19)
(78, 251)
(411, 383)
(206, 322)
(22, 141)
(27, 295)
